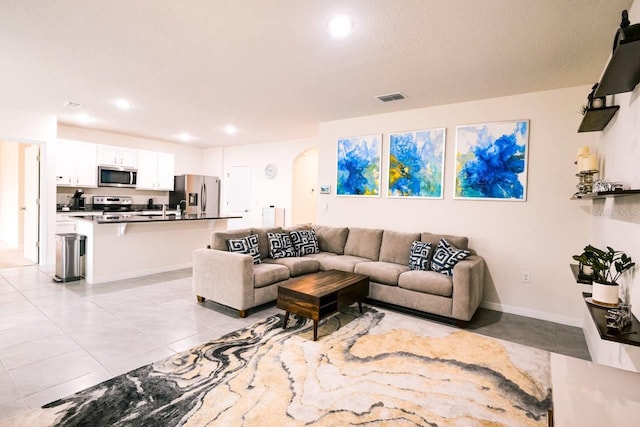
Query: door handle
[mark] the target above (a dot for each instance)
(24, 208)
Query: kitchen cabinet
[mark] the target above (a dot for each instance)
(155, 171)
(112, 155)
(76, 164)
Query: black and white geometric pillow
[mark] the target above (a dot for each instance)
(280, 245)
(246, 245)
(304, 242)
(419, 255)
(446, 257)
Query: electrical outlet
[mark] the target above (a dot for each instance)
(526, 278)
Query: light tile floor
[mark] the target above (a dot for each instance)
(57, 339)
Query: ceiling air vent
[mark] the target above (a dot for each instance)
(391, 97)
(72, 104)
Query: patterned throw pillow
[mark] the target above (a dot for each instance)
(419, 255)
(446, 257)
(280, 245)
(304, 242)
(246, 245)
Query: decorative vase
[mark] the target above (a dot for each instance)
(605, 293)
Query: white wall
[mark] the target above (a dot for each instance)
(9, 193)
(616, 222)
(265, 192)
(538, 236)
(30, 127)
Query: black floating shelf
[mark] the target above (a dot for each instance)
(622, 73)
(605, 194)
(630, 335)
(597, 119)
(575, 269)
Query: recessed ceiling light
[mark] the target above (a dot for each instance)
(230, 129)
(340, 26)
(185, 137)
(122, 104)
(83, 118)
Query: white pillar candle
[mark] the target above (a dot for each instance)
(590, 163)
(583, 151)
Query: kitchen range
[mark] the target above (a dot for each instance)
(121, 209)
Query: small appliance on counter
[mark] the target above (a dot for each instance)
(77, 200)
(200, 194)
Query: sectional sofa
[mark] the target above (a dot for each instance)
(243, 281)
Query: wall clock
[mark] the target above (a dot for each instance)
(270, 171)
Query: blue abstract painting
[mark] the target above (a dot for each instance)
(416, 164)
(359, 166)
(491, 161)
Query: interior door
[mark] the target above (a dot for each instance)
(31, 208)
(239, 196)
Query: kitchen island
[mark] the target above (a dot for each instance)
(123, 246)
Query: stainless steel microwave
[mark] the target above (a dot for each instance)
(115, 176)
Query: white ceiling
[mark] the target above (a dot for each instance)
(270, 68)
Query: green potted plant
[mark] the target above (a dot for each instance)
(607, 265)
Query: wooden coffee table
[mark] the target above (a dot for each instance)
(319, 295)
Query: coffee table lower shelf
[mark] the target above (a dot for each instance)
(320, 295)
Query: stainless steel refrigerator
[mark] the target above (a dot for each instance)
(200, 193)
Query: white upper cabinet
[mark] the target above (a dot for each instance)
(155, 171)
(76, 164)
(117, 156)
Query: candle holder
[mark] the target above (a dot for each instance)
(585, 184)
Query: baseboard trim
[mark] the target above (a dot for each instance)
(541, 315)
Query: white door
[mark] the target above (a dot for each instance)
(239, 196)
(31, 206)
(304, 187)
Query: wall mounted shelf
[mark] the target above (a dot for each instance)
(622, 73)
(597, 119)
(605, 194)
(575, 269)
(630, 334)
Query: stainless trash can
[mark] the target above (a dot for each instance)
(70, 248)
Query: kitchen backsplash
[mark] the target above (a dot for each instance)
(138, 197)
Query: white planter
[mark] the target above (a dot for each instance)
(605, 294)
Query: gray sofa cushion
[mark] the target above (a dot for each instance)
(263, 241)
(365, 243)
(219, 238)
(381, 272)
(267, 274)
(331, 239)
(320, 255)
(428, 282)
(459, 242)
(396, 246)
(342, 262)
(297, 265)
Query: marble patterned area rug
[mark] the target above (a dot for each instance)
(375, 368)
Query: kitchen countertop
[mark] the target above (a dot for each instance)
(139, 217)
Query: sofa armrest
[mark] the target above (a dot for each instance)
(223, 277)
(468, 287)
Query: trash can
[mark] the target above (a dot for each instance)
(70, 249)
